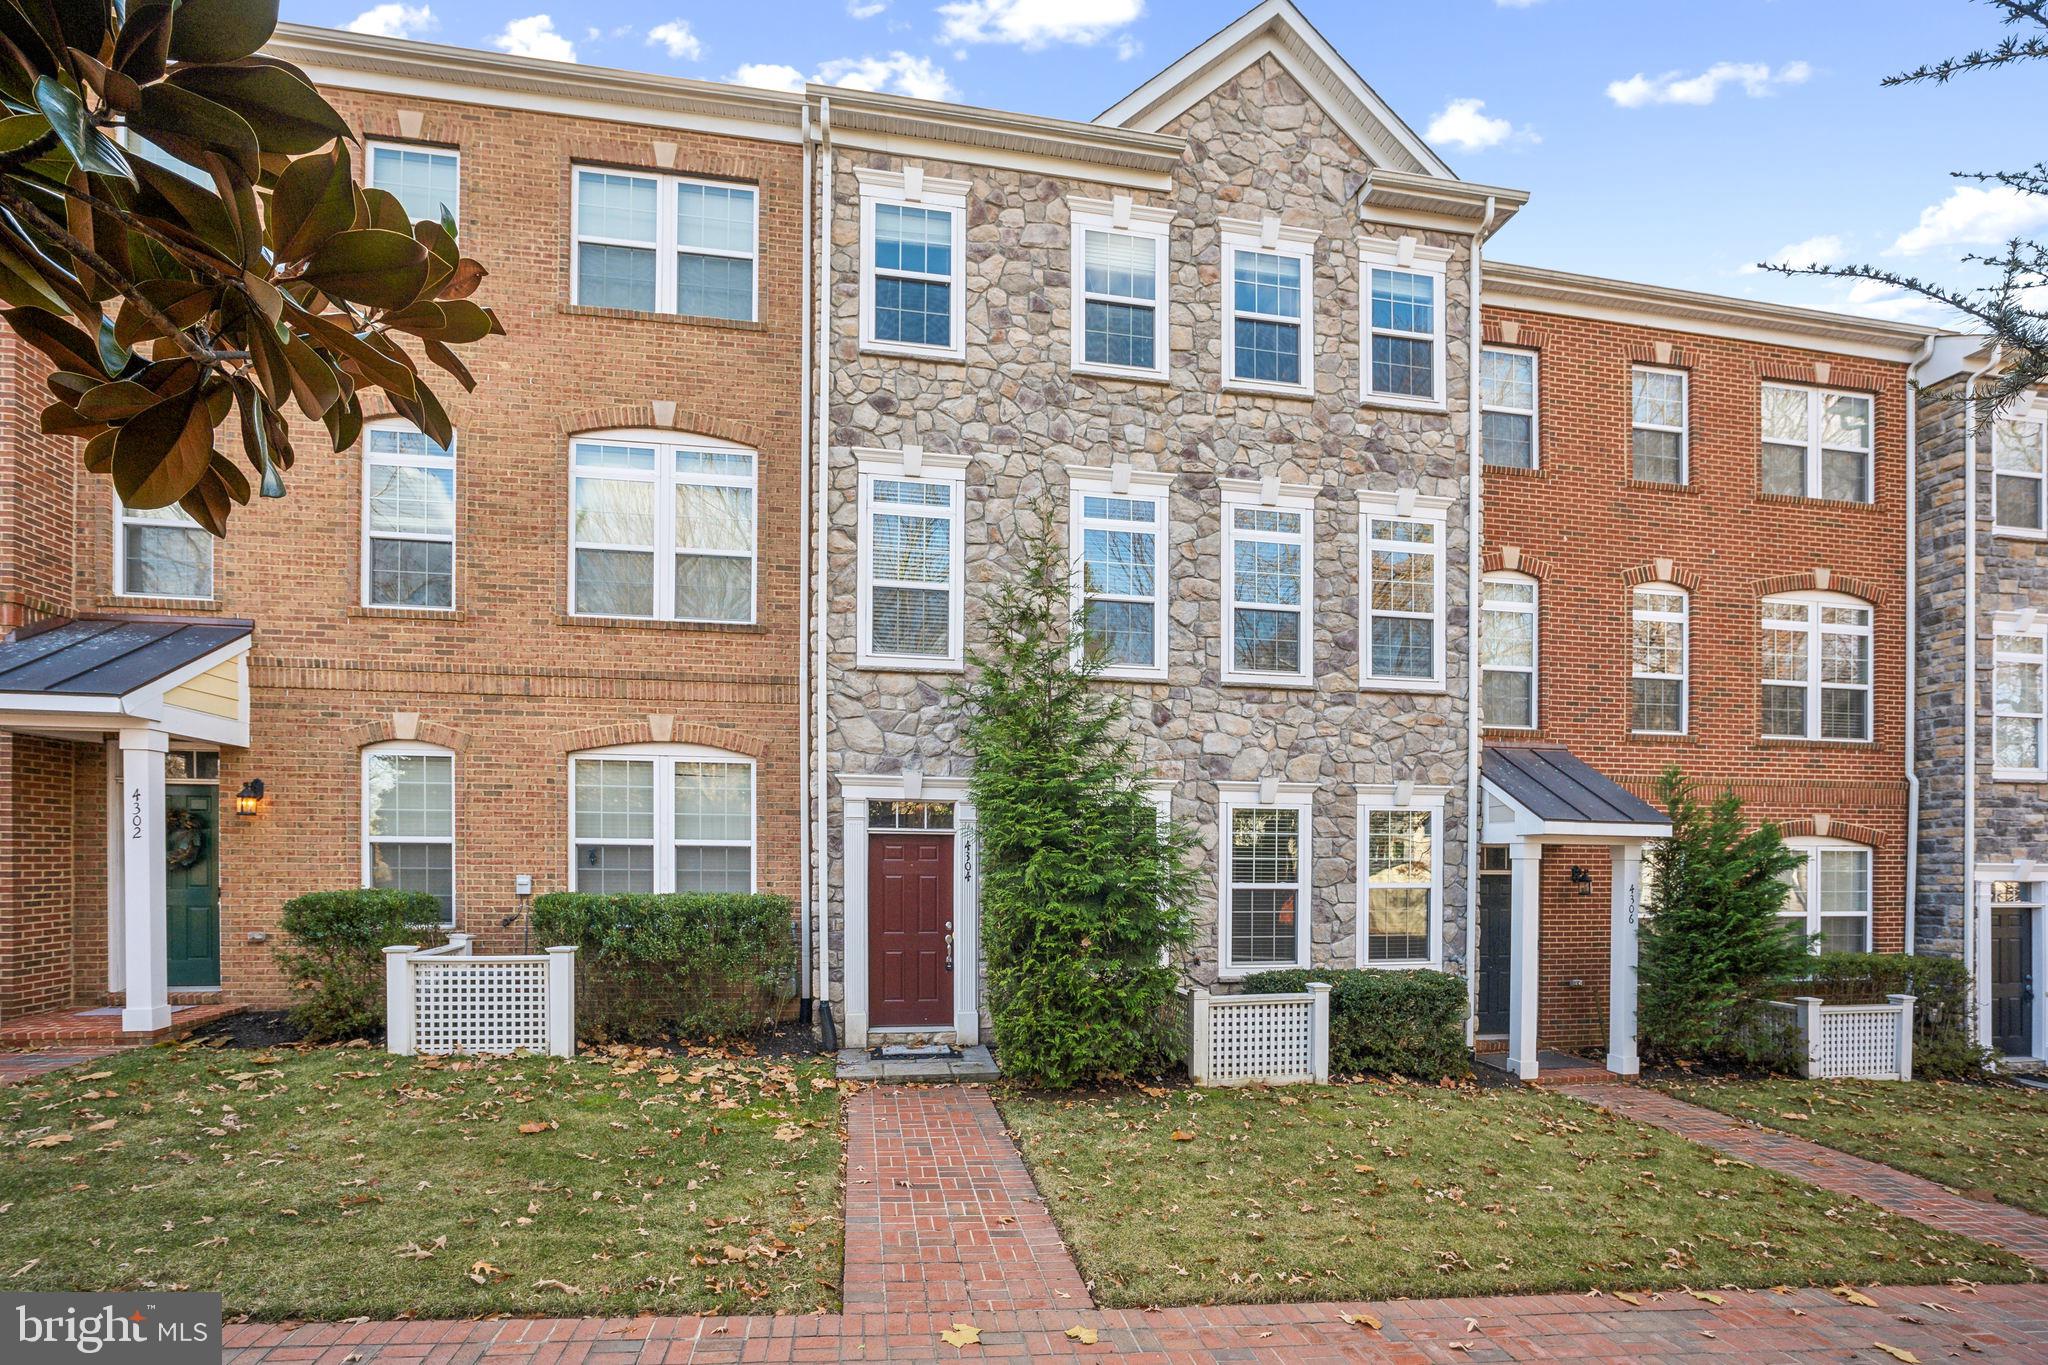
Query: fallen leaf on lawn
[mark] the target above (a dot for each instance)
(101, 1126)
(413, 1251)
(483, 1272)
(1704, 1297)
(50, 1140)
(1361, 1320)
(531, 1128)
(1848, 1295)
(1633, 1300)
(1796, 1118)
(1897, 1353)
(1179, 1135)
(788, 1132)
(961, 1334)
(1085, 1335)
(568, 1289)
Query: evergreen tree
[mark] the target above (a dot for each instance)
(1712, 944)
(1085, 896)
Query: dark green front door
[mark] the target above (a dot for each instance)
(192, 885)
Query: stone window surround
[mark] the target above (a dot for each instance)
(1534, 412)
(2035, 416)
(1405, 505)
(1534, 610)
(915, 464)
(371, 146)
(1684, 423)
(1124, 218)
(913, 187)
(1272, 237)
(1813, 845)
(1409, 256)
(1117, 481)
(1813, 630)
(400, 748)
(666, 445)
(1817, 398)
(665, 245)
(2032, 624)
(453, 538)
(664, 757)
(1636, 611)
(126, 598)
(1268, 492)
(1265, 794)
(1402, 796)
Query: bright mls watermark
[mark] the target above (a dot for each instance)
(110, 1329)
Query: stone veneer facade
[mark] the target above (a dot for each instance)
(1257, 145)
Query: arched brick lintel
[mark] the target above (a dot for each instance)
(662, 730)
(1511, 559)
(1821, 580)
(659, 415)
(1663, 571)
(1806, 826)
(410, 727)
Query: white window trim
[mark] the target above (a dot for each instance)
(409, 749)
(1683, 677)
(372, 146)
(1534, 610)
(2032, 625)
(1122, 481)
(1402, 796)
(1533, 413)
(1406, 505)
(1407, 255)
(666, 245)
(1235, 796)
(2037, 419)
(1274, 238)
(1816, 413)
(667, 445)
(912, 464)
(1810, 846)
(454, 537)
(1119, 217)
(1684, 427)
(664, 838)
(121, 588)
(1274, 495)
(911, 186)
(1816, 602)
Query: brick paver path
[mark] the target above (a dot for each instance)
(23, 1066)
(2022, 1233)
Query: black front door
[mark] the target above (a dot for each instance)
(1496, 944)
(2012, 980)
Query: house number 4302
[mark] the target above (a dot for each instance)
(135, 814)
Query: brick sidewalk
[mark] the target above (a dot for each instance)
(24, 1066)
(2022, 1233)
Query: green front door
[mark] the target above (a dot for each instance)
(192, 885)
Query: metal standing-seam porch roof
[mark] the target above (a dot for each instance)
(1551, 791)
(115, 672)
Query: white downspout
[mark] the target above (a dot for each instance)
(820, 530)
(1913, 641)
(1475, 546)
(1980, 1001)
(803, 521)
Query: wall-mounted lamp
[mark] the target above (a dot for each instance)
(249, 799)
(1583, 880)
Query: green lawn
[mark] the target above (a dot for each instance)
(1178, 1196)
(329, 1183)
(1990, 1140)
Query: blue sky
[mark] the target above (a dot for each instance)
(1671, 141)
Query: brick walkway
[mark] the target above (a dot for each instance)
(2024, 1234)
(24, 1066)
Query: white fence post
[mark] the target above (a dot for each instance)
(458, 944)
(1905, 1004)
(562, 1001)
(398, 1002)
(1199, 1046)
(1319, 1031)
(1809, 1035)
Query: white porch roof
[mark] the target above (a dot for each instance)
(95, 676)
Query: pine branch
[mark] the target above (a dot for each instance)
(2014, 49)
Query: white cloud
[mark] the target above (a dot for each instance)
(1033, 24)
(394, 21)
(1973, 215)
(768, 76)
(1675, 87)
(866, 9)
(1876, 299)
(675, 35)
(1827, 248)
(1463, 124)
(898, 73)
(534, 36)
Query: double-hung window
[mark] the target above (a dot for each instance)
(662, 528)
(1659, 412)
(1117, 544)
(408, 519)
(161, 552)
(1657, 660)
(1269, 582)
(1816, 667)
(427, 181)
(913, 262)
(661, 818)
(1403, 342)
(1268, 307)
(2019, 679)
(1830, 894)
(1265, 876)
(1816, 443)
(1119, 284)
(1401, 640)
(1507, 651)
(2019, 456)
(1507, 408)
(409, 821)
(665, 244)
(1400, 875)
(912, 506)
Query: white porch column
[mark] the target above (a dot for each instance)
(1625, 909)
(142, 881)
(1980, 983)
(117, 978)
(1525, 864)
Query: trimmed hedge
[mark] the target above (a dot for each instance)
(695, 965)
(333, 954)
(1406, 1023)
(1941, 1008)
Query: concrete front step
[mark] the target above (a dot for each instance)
(965, 1064)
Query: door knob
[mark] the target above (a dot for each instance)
(949, 947)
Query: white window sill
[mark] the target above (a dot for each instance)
(892, 664)
(953, 356)
(1400, 685)
(1434, 964)
(2018, 533)
(1376, 400)
(1657, 734)
(1240, 973)
(1811, 739)
(2019, 775)
(1258, 680)
(1255, 389)
(1131, 675)
(1112, 372)
(1484, 724)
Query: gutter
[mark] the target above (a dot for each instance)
(821, 971)
(1982, 1003)
(806, 991)
(1913, 641)
(1475, 525)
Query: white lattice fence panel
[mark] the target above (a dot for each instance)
(480, 1004)
(1859, 1041)
(1268, 1041)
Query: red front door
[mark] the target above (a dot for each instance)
(910, 919)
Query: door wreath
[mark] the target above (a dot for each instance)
(184, 841)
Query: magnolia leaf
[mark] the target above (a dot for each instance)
(83, 23)
(452, 363)
(313, 200)
(189, 126)
(116, 402)
(460, 285)
(182, 301)
(92, 149)
(120, 93)
(287, 114)
(66, 346)
(380, 209)
(312, 379)
(145, 43)
(222, 30)
(160, 454)
(208, 503)
(99, 452)
(369, 266)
